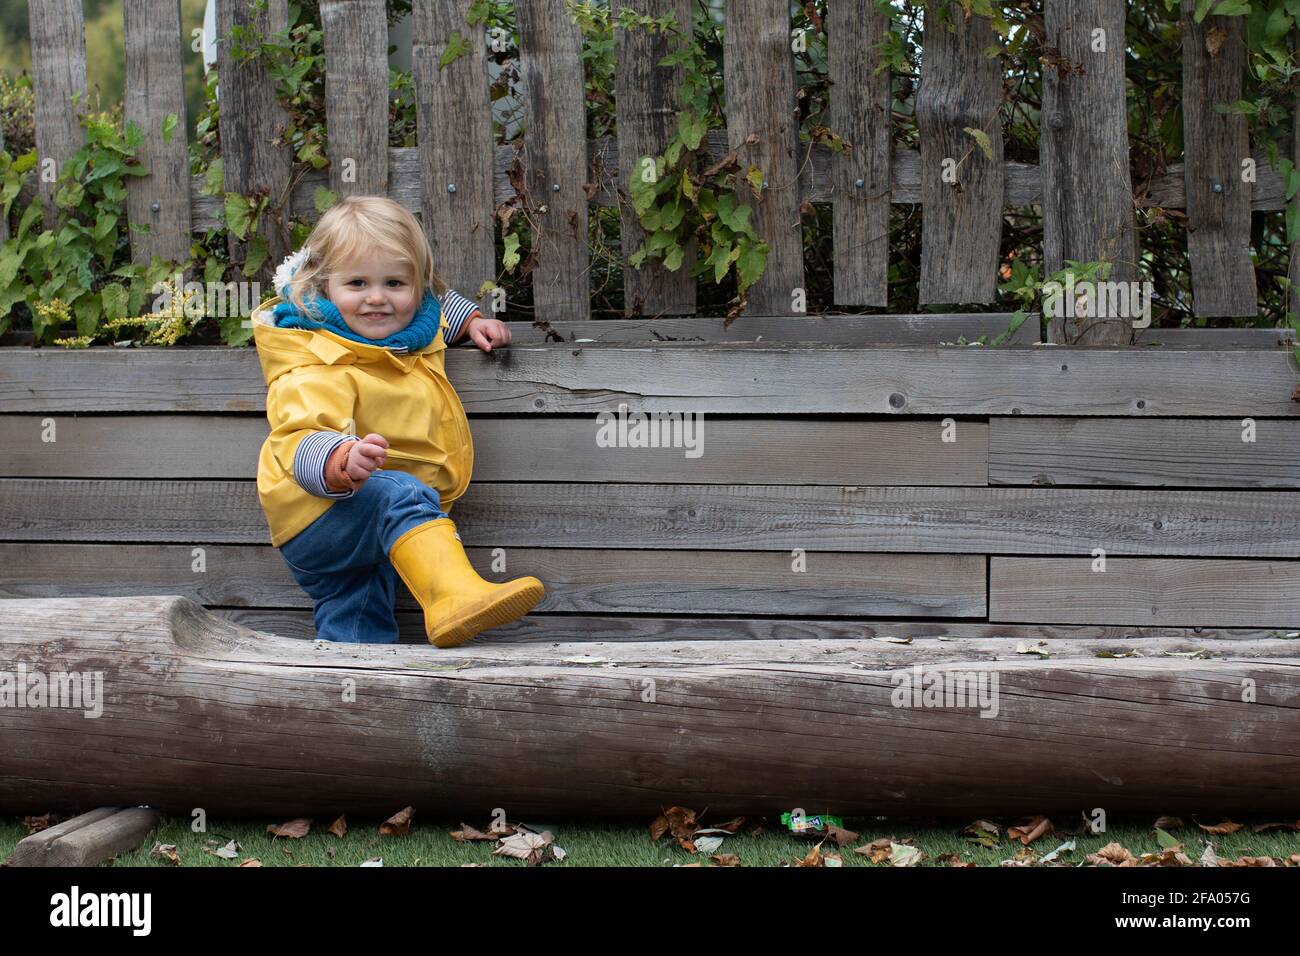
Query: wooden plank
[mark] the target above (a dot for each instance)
(633, 638)
(736, 377)
(1083, 145)
(458, 738)
(154, 92)
(58, 40)
(554, 151)
(1023, 181)
(1199, 453)
(1218, 202)
(763, 131)
(929, 328)
(646, 103)
(861, 112)
(962, 189)
(1263, 524)
(91, 844)
(1145, 591)
(1293, 270)
(356, 95)
(254, 159)
(793, 451)
(1216, 338)
(33, 850)
(577, 580)
(453, 156)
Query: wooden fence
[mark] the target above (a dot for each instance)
(1082, 183)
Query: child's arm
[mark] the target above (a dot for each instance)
(310, 420)
(459, 310)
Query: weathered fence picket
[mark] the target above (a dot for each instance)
(155, 97)
(356, 95)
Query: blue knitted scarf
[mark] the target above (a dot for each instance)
(417, 335)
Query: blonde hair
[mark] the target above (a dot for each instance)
(358, 225)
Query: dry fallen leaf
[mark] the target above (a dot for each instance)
(339, 828)
(731, 826)
(1265, 827)
(228, 852)
(725, 859)
(1168, 823)
(877, 850)
(902, 854)
(680, 822)
(1027, 833)
(399, 824)
(167, 851)
(1221, 829)
(295, 829)
(42, 822)
(951, 859)
(466, 833)
(814, 857)
(1214, 38)
(525, 846)
(1254, 861)
(841, 836)
(1113, 854)
(251, 863)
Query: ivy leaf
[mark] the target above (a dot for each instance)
(114, 298)
(456, 48)
(1229, 8)
(734, 216)
(691, 128)
(673, 260)
(750, 263)
(1278, 25)
(214, 179)
(168, 125)
(982, 138)
(237, 215)
(257, 253)
(755, 179)
(1293, 223)
(323, 198)
(214, 270)
(511, 257)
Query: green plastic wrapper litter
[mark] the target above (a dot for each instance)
(803, 824)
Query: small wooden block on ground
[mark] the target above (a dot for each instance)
(88, 839)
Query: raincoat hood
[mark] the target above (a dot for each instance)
(324, 389)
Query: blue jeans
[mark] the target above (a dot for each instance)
(341, 558)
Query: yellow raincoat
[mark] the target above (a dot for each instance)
(319, 381)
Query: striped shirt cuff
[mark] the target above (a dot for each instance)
(457, 309)
(309, 462)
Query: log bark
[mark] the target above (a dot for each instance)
(200, 712)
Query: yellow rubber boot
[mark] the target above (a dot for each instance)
(457, 602)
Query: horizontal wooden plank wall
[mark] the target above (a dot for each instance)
(836, 510)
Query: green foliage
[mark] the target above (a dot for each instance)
(64, 274)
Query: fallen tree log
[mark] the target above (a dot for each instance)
(198, 712)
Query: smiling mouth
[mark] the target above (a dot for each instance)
(375, 315)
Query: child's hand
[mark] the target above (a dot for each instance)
(487, 332)
(365, 456)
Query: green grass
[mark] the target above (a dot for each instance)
(628, 843)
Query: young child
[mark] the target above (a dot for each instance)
(354, 346)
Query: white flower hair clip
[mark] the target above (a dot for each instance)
(285, 271)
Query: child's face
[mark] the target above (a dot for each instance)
(375, 295)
